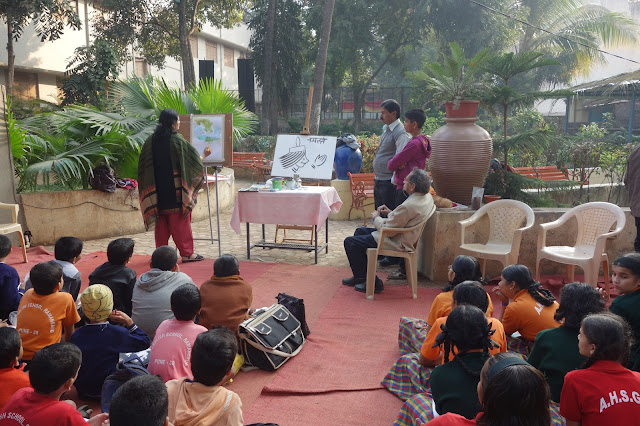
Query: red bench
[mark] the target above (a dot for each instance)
(260, 166)
(543, 172)
(361, 190)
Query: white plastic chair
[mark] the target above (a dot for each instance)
(505, 232)
(595, 221)
(14, 226)
(411, 257)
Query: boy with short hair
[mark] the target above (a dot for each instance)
(44, 310)
(10, 293)
(12, 375)
(171, 347)
(152, 292)
(116, 275)
(101, 342)
(141, 401)
(204, 400)
(52, 373)
(67, 251)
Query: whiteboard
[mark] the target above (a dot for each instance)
(310, 156)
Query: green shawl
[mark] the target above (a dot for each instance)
(188, 173)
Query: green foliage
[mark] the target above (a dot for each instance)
(472, 26)
(435, 120)
(161, 28)
(256, 143)
(594, 26)
(49, 17)
(368, 147)
(290, 45)
(89, 72)
(60, 148)
(454, 80)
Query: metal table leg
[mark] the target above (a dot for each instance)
(248, 243)
(326, 239)
(315, 237)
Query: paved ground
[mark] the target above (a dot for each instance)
(236, 244)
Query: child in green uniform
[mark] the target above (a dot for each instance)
(454, 384)
(626, 279)
(555, 351)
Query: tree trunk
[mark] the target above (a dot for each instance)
(267, 82)
(358, 102)
(321, 65)
(188, 69)
(274, 108)
(11, 59)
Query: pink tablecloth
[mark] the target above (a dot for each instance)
(309, 205)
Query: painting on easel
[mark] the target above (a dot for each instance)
(210, 130)
(310, 156)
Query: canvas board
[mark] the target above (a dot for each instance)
(310, 156)
(210, 130)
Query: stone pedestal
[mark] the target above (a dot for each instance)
(344, 191)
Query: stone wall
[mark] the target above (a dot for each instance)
(91, 214)
(441, 239)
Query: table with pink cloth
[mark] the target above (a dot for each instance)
(307, 206)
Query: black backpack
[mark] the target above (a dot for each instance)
(103, 179)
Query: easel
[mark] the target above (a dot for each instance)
(206, 182)
(305, 131)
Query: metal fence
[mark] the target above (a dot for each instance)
(338, 104)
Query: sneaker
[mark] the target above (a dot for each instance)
(363, 287)
(398, 274)
(388, 261)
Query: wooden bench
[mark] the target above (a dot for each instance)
(547, 173)
(361, 190)
(256, 161)
(543, 172)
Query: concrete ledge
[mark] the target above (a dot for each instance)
(91, 214)
(441, 238)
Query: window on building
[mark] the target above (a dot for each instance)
(141, 68)
(25, 85)
(228, 57)
(194, 47)
(211, 51)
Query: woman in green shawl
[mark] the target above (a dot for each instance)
(170, 174)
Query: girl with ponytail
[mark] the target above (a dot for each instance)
(527, 307)
(454, 383)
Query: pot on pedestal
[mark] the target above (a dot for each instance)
(461, 152)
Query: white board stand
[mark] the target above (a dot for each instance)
(206, 182)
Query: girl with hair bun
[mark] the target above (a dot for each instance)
(527, 307)
(413, 331)
(604, 392)
(626, 278)
(555, 351)
(512, 392)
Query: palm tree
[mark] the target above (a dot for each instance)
(593, 26)
(321, 65)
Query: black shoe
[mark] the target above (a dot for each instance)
(363, 287)
(388, 261)
(353, 281)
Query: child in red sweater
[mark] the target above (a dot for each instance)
(12, 375)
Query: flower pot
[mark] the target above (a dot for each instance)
(490, 198)
(460, 158)
(466, 109)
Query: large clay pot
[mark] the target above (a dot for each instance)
(461, 153)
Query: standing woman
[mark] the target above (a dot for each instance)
(170, 174)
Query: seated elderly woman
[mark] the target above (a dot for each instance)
(415, 209)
